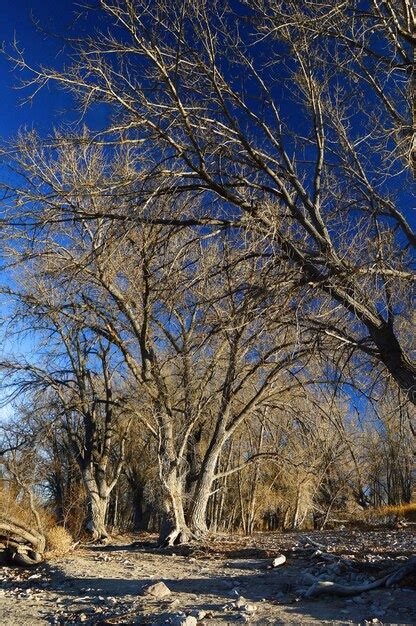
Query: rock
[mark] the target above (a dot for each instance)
(183, 620)
(279, 560)
(158, 590)
(249, 608)
(240, 602)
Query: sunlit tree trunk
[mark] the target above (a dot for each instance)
(98, 495)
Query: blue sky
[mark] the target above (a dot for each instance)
(16, 23)
(51, 107)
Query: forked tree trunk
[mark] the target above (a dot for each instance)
(174, 529)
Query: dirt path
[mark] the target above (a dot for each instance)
(224, 584)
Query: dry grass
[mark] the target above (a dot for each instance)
(407, 511)
(58, 540)
(390, 514)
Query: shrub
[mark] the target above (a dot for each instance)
(58, 540)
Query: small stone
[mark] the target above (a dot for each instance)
(249, 608)
(83, 617)
(158, 590)
(279, 560)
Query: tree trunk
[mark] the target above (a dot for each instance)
(203, 489)
(295, 518)
(174, 529)
(97, 502)
(402, 369)
(198, 520)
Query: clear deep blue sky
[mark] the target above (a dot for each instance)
(51, 106)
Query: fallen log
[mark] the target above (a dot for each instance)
(22, 557)
(11, 529)
(23, 544)
(327, 587)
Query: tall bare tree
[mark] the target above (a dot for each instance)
(296, 120)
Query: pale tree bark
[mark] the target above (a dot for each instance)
(203, 490)
(174, 529)
(98, 494)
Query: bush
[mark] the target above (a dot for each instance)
(58, 540)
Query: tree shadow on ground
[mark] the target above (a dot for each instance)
(193, 549)
(215, 593)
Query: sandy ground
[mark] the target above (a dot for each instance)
(104, 585)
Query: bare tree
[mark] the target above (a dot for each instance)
(207, 335)
(297, 122)
(71, 382)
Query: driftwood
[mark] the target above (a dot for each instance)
(327, 587)
(23, 544)
(11, 528)
(22, 556)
